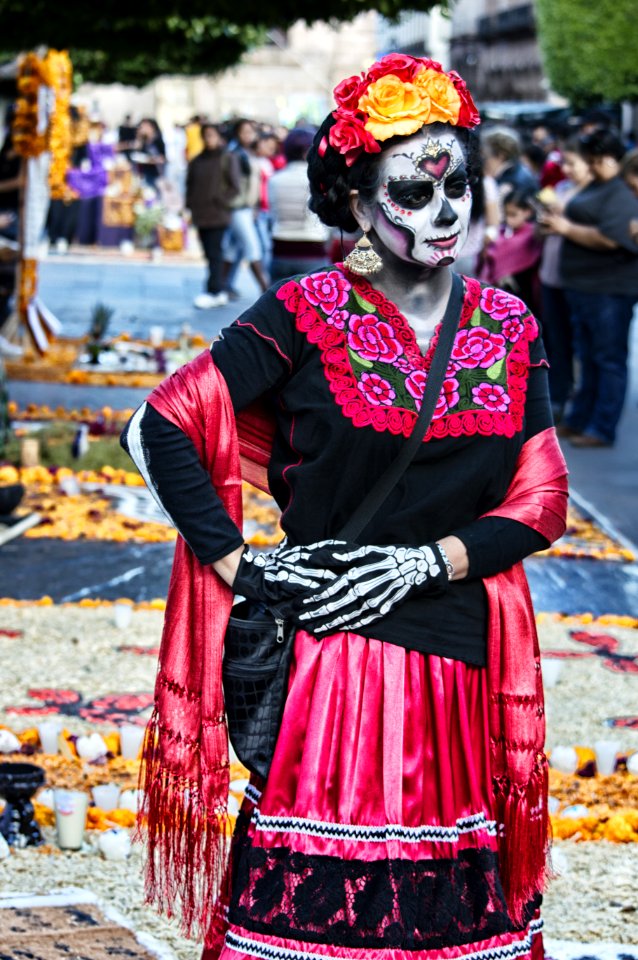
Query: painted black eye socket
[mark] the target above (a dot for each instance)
(456, 186)
(411, 194)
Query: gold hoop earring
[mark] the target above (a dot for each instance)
(363, 260)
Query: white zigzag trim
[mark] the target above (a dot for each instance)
(374, 834)
(252, 793)
(268, 951)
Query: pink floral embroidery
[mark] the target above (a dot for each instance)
(449, 396)
(501, 305)
(491, 396)
(373, 339)
(326, 290)
(513, 328)
(338, 319)
(477, 347)
(376, 390)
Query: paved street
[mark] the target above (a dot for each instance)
(604, 481)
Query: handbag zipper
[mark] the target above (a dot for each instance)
(280, 630)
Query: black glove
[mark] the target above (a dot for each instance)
(370, 582)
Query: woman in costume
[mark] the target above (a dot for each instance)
(405, 809)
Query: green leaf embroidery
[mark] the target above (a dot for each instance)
(356, 360)
(368, 307)
(476, 318)
(494, 372)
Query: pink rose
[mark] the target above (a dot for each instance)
(513, 328)
(349, 136)
(347, 92)
(501, 305)
(477, 347)
(326, 290)
(491, 396)
(376, 390)
(373, 339)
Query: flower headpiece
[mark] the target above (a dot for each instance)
(396, 97)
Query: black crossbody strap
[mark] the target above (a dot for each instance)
(390, 477)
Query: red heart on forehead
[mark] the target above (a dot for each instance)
(436, 166)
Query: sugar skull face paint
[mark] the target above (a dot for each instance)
(422, 206)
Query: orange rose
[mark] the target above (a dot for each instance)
(438, 89)
(394, 108)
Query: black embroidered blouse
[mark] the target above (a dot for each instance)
(345, 377)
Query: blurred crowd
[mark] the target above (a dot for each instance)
(554, 221)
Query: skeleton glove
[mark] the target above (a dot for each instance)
(370, 582)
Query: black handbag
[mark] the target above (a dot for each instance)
(257, 647)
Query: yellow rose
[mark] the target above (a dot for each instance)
(394, 108)
(438, 89)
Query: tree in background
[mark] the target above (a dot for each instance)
(115, 40)
(588, 49)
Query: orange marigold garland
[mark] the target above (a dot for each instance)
(61, 73)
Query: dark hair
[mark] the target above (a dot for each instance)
(523, 199)
(602, 143)
(297, 144)
(209, 126)
(535, 154)
(630, 164)
(573, 145)
(331, 180)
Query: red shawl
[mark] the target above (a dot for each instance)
(185, 769)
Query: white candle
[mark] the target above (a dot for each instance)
(49, 733)
(131, 739)
(122, 614)
(70, 818)
(564, 759)
(106, 796)
(606, 751)
(551, 669)
(156, 335)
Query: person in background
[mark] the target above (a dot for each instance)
(599, 270)
(265, 150)
(241, 241)
(299, 237)
(557, 327)
(150, 153)
(484, 224)
(194, 137)
(533, 158)
(551, 171)
(501, 149)
(10, 185)
(126, 134)
(511, 261)
(212, 180)
(629, 170)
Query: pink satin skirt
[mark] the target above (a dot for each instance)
(374, 834)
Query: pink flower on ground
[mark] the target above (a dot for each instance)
(477, 347)
(501, 305)
(373, 339)
(513, 328)
(491, 396)
(326, 290)
(376, 390)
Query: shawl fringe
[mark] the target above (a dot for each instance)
(187, 845)
(524, 837)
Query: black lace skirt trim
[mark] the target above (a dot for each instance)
(422, 905)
